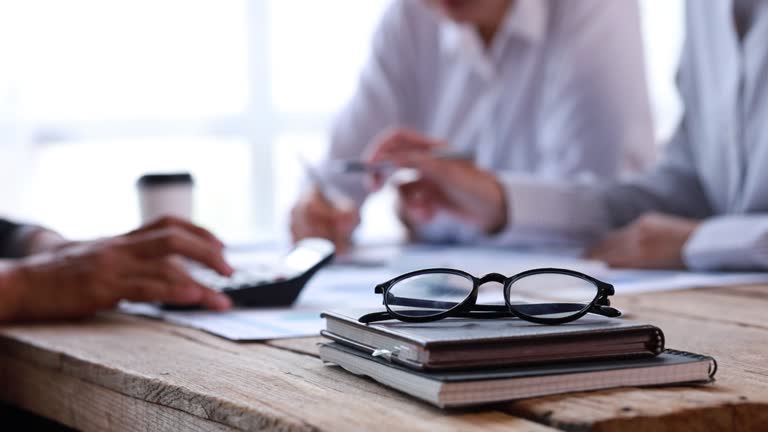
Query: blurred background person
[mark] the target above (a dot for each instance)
(540, 88)
(705, 205)
(87, 105)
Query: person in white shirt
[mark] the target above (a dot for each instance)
(544, 88)
(705, 206)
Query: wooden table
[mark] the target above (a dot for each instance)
(116, 372)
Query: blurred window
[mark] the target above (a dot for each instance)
(106, 90)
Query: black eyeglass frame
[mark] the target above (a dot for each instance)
(469, 308)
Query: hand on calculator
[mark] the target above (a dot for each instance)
(270, 285)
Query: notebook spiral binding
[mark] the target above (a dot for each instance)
(712, 361)
(660, 342)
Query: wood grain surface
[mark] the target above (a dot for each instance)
(115, 372)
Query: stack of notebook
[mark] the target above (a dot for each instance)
(459, 362)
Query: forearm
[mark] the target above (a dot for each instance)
(44, 240)
(10, 290)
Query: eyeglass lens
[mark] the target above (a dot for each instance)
(428, 294)
(550, 295)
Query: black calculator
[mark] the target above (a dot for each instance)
(270, 285)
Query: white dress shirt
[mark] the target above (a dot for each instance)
(559, 94)
(716, 166)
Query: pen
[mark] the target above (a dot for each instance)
(358, 166)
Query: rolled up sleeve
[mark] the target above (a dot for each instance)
(14, 238)
(551, 212)
(733, 242)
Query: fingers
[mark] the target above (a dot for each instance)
(448, 174)
(344, 225)
(602, 248)
(399, 146)
(401, 141)
(215, 301)
(651, 241)
(312, 217)
(174, 222)
(609, 248)
(168, 281)
(162, 242)
(419, 201)
(152, 290)
(315, 217)
(457, 187)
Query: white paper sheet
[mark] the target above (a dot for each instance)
(332, 288)
(241, 324)
(352, 286)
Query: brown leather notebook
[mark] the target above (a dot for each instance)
(449, 389)
(462, 343)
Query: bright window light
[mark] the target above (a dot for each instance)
(93, 60)
(87, 188)
(317, 50)
(95, 93)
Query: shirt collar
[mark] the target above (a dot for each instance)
(525, 20)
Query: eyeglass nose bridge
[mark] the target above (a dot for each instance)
(493, 277)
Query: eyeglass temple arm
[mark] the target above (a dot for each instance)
(608, 311)
(375, 316)
(603, 305)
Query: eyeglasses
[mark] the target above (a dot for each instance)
(434, 294)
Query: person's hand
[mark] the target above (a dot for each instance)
(314, 216)
(653, 241)
(455, 186)
(144, 265)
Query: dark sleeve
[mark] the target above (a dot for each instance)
(10, 234)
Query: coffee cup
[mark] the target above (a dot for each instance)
(165, 194)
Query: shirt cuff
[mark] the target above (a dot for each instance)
(729, 243)
(548, 213)
(18, 242)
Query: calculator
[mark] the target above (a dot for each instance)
(270, 285)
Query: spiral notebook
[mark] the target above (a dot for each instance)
(463, 343)
(448, 389)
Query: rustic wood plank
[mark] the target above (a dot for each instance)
(129, 356)
(752, 291)
(243, 386)
(718, 407)
(307, 345)
(85, 406)
(737, 401)
(742, 377)
(739, 305)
